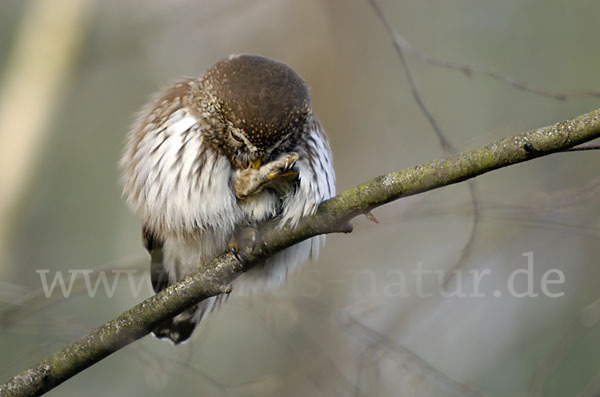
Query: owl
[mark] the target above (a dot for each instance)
(210, 157)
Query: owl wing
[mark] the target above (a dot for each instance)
(169, 171)
(316, 174)
(170, 168)
(150, 178)
(154, 246)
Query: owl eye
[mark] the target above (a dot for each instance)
(235, 137)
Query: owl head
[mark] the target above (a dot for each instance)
(258, 108)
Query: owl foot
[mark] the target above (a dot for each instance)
(284, 166)
(251, 180)
(247, 237)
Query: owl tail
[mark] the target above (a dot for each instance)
(179, 328)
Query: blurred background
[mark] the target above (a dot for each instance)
(73, 73)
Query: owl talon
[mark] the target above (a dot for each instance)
(251, 180)
(293, 163)
(247, 237)
(235, 250)
(288, 169)
(281, 173)
(236, 253)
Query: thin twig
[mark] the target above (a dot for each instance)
(445, 143)
(470, 70)
(581, 148)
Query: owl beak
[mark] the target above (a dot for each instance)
(256, 164)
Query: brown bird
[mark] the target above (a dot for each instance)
(210, 157)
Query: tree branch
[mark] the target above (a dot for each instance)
(332, 216)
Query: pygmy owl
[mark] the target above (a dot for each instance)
(213, 155)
